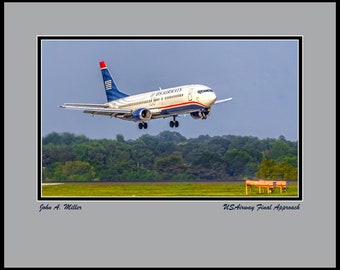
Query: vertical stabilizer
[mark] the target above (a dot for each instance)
(111, 89)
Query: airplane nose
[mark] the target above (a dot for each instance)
(211, 98)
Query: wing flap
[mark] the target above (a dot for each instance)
(87, 105)
(108, 113)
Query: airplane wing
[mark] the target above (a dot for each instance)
(97, 109)
(222, 100)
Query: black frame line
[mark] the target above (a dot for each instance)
(40, 38)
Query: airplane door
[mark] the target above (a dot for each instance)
(190, 94)
(152, 100)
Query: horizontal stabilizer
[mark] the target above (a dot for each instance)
(223, 100)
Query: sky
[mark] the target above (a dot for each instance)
(261, 76)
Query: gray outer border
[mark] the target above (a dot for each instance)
(169, 233)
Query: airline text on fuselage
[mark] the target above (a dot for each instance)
(169, 91)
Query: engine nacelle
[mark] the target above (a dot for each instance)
(202, 114)
(141, 115)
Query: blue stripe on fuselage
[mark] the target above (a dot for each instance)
(181, 109)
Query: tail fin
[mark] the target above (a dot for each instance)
(111, 89)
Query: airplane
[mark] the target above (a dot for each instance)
(194, 99)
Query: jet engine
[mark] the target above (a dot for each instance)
(202, 114)
(141, 115)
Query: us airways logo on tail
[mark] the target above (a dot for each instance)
(194, 99)
(108, 85)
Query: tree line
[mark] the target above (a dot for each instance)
(167, 156)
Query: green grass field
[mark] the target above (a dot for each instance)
(159, 190)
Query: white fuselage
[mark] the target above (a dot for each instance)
(168, 102)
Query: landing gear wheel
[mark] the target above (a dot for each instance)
(142, 125)
(174, 123)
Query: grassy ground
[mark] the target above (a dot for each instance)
(159, 190)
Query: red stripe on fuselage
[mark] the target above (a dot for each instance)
(182, 104)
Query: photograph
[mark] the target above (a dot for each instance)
(170, 117)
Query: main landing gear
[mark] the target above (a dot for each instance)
(174, 123)
(142, 125)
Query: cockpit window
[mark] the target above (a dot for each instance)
(203, 91)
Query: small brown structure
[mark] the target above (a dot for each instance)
(270, 185)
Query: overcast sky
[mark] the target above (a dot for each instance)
(260, 75)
